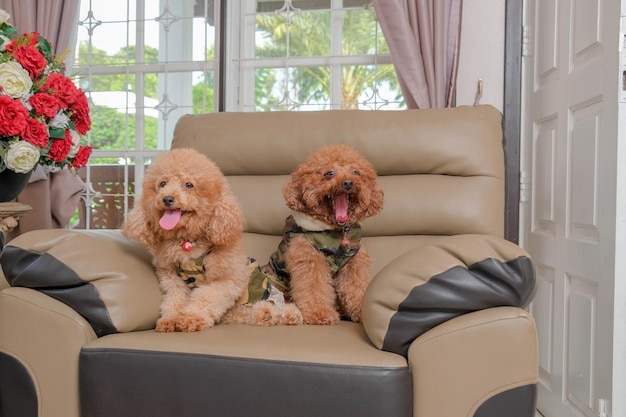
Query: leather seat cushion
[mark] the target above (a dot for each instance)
(240, 370)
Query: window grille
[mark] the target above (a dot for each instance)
(145, 63)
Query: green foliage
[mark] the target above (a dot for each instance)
(109, 130)
(203, 91)
(203, 96)
(265, 80)
(124, 57)
(308, 34)
(112, 130)
(44, 45)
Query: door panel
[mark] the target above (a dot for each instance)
(568, 156)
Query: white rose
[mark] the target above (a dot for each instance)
(21, 157)
(4, 16)
(14, 79)
(75, 143)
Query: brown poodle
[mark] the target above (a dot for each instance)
(320, 264)
(193, 225)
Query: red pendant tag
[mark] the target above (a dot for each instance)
(187, 246)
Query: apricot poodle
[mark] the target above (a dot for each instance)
(320, 265)
(193, 225)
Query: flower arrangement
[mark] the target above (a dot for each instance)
(43, 115)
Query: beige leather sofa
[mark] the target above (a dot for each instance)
(444, 330)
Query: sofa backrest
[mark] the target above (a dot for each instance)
(442, 170)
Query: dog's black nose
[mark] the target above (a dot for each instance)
(347, 184)
(168, 200)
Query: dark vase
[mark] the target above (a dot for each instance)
(11, 184)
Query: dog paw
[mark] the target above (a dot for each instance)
(263, 313)
(238, 314)
(321, 317)
(188, 323)
(354, 316)
(291, 315)
(166, 325)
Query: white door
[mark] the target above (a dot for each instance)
(569, 144)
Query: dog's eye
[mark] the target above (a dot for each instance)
(162, 184)
(355, 172)
(188, 185)
(330, 174)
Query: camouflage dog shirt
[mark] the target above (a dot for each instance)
(338, 246)
(192, 271)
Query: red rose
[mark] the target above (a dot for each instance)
(35, 132)
(44, 105)
(13, 116)
(60, 148)
(31, 59)
(82, 157)
(9, 48)
(62, 88)
(80, 113)
(32, 39)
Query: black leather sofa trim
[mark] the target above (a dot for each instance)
(516, 402)
(457, 291)
(17, 391)
(24, 268)
(137, 383)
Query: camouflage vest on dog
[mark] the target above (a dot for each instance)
(192, 272)
(338, 247)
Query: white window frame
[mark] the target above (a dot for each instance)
(239, 65)
(241, 61)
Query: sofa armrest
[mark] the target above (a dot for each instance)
(450, 277)
(483, 363)
(40, 341)
(108, 279)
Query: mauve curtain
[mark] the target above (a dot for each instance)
(56, 20)
(53, 196)
(423, 38)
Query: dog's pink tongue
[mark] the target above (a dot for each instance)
(170, 219)
(341, 208)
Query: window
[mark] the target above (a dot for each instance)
(145, 63)
(313, 55)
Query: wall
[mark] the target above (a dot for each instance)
(482, 52)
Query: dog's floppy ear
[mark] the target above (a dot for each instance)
(136, 227)
(227, 222)
(370, 203)
(292, 193)
(376, 202)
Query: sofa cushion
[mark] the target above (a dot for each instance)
(449, 277)
(442, 170)
(240, 371)
(107, 279)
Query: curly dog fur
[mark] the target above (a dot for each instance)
(187, 215)
(330, 194)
